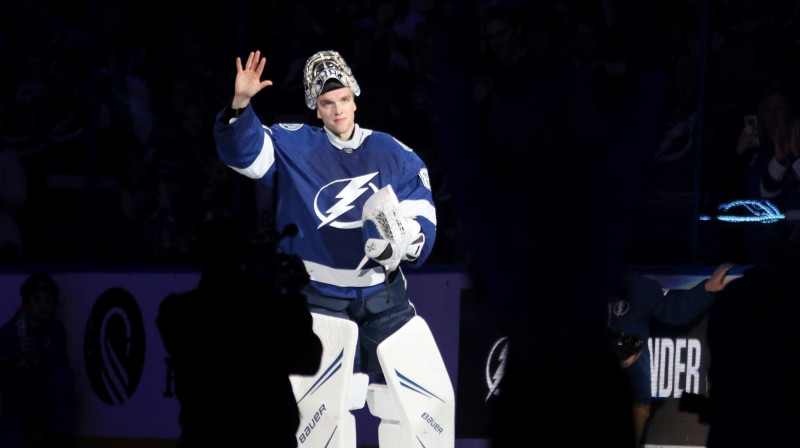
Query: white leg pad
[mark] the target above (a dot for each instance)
(326, 398)
(423, 408)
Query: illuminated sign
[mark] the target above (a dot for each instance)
(751, 211)
(674, 366)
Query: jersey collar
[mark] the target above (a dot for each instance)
(359, 134)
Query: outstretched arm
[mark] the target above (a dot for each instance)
(248, 79)
(681, 306)
(242, 142)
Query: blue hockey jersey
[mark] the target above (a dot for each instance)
(323, 183)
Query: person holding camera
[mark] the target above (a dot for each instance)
(231, 363)
(639, 299)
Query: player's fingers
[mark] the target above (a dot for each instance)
(249, 60)
(719, 274)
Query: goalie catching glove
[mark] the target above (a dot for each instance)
(389, 237)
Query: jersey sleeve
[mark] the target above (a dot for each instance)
(244, 144)
(416, 201)
(681, 306)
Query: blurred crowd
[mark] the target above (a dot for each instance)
(107, 156)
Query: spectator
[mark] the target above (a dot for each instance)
(37, 380)
(760, 167)
(780, 181)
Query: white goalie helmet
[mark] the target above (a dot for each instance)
(321, 67)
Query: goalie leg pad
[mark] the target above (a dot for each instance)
(325, 399)
(387, 311)
(420, 387)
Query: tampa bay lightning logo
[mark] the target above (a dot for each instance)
(620, 308)
(496, 366)
(349, 190)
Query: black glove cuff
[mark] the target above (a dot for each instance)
(231, 113)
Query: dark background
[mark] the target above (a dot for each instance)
(564, 139)
(107, 107)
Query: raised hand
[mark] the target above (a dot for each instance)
(248, 79)
(748, 138)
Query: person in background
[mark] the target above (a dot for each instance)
(232, 362)
(37, 380)
(637, 301)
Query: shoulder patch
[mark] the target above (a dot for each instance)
(291, 126)
(403, 145)
(423, 175)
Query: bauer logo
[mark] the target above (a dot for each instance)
(312, 423)
(431, 421)
(114, 346)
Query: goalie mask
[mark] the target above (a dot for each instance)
(321, 67)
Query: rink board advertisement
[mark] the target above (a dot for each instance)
(123, 387)
(679, 362)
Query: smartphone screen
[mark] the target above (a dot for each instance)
(751, 125)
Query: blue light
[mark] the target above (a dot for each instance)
(761, 211)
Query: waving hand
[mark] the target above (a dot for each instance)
(248, 79)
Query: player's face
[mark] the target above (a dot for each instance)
(337, 110)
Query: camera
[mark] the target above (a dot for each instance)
(273, 270)
(624, 345)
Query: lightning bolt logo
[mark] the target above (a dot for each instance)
(352, 191)
(497, 357)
